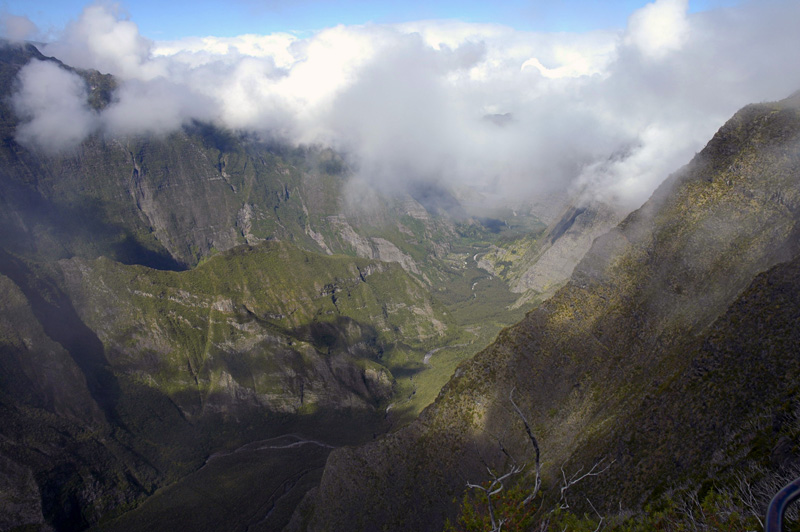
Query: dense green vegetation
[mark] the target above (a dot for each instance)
(715, 511)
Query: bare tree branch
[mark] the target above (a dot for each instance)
(748, 498)
(537, 481)
(563, 504)
(496, 484)
(600, 523)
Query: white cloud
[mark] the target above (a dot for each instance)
(659, 28)
(155, 107)
(100, 39)
(276, 46)
(51, 102)
(608, 113)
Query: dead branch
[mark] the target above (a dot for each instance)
(495, 486)
(599, 523)
(749, 498)
(496, 483)
(574, 479)
(537, 481)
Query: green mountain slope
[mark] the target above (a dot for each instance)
(256, 343)
(730, 413)
(619, 334)
(192, 332)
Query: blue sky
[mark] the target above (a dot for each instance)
(174, 19)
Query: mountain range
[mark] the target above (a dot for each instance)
(204, 330)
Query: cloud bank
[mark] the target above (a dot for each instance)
(605, 114)
(52, 106)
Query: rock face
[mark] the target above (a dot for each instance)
(165, 204)
(654, 315)
(171, 202)
(563, 246)
(542, 261)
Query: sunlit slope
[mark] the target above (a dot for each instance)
(271, 325)
(624, 326)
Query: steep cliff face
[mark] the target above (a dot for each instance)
(163, 202)
(622, 331)
(64, 465)
(542, 262)
(169, 201)
(728, 414)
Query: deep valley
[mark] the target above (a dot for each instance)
(201, 330)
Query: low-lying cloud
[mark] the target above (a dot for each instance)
(52, 106)
(607, 114)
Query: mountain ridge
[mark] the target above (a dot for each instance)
(612, 335)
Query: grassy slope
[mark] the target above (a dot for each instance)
(286, 289)
(478, 303)
(255, 343)
(255, 302)
(743, 417)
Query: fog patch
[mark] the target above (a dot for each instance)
(659, 28)
(155, 108)
(52, 104)
(102, 39)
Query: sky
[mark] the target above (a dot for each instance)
(601, 100)
(176, 19)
